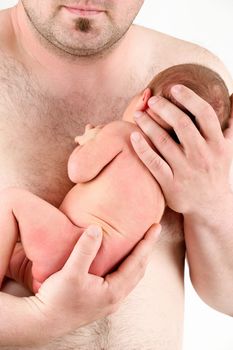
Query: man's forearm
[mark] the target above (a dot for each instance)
(21, 323)
(209, 242)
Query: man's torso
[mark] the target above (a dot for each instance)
(38, 124)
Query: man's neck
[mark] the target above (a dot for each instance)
(54, 61)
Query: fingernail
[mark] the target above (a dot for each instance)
(94, 231)
(153, 100)
(135, 136)
(138, 114)
(176, 88)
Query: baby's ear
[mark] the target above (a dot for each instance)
(143, 99)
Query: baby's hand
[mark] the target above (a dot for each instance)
(90, 133)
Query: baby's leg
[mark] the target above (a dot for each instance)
(47, 235)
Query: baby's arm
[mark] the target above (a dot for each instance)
(46, 233)
(87, 160)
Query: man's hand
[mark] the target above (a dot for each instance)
(195, 173)
(195, 179)
(72, 298)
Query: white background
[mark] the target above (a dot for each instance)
(208, 23)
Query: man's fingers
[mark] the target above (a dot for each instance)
(228, 133)
(85, 251)
(159, 137)
(181, 123)
(126, 277)
(157, 166)
(204, 113)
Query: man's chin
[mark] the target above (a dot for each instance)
(97, 49)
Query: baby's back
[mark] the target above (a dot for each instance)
(123, 198)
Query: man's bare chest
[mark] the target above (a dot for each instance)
(38, 129)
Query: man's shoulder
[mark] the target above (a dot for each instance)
(7, 36)
(159, 40)
(10, 68)
(172, 51)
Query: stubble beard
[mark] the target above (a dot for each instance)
(84, 25)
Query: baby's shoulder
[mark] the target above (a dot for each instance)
(118, 132)
(119, 128)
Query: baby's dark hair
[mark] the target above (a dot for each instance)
(202, 80)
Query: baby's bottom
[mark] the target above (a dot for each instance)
(47, 235)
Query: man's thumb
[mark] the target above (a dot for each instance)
(85, 250)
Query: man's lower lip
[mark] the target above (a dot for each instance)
(83, 12)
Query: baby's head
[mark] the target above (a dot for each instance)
(203, 81)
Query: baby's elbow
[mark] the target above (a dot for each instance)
(72, 172)
(73, 166)
(76, 171)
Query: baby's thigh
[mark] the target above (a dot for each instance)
(40, 223)
(47, 234)
(9, 230)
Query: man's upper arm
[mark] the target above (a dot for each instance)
(210, 60)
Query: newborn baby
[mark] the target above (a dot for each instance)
(113, 187)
